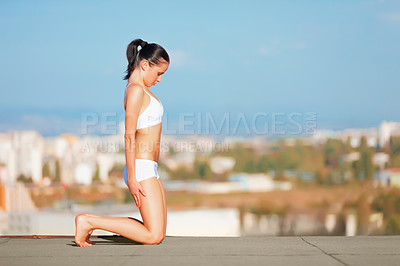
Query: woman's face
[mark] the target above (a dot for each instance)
(152, 74)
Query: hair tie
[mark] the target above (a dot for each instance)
(143, 44)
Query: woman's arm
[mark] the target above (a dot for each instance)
(134, 100)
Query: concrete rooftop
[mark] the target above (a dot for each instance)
(177, 250)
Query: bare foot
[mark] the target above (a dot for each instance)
(82, 230)
(91, 231)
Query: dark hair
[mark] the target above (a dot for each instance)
(152, 52)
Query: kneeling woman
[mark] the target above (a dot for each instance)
(143, 113)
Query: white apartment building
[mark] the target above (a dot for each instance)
(21, 152)
(386, 130)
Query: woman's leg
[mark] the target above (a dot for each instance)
(164, 206)
(153, 215)
(150, 232)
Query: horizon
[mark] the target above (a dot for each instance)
(239, 125)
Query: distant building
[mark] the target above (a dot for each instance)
(321, 136)
(258, 182)
(180, 160)
(106, 162)
(200, 186)
(237, 182)
(15, 198)
(355, 135)
(3, 173)
(220, 164)
(70, 155)
(218, 187)
(389, 177)
(84, 173)
(21, 152)
(350, 157)
(386, 130)
(253, 182)
(380, 159)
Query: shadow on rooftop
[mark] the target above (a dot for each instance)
(114, 239)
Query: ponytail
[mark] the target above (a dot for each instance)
(151, 52)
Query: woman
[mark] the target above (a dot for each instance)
(143, 113)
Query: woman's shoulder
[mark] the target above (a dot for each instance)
(133, 96)
(134, 90)
(133, 87)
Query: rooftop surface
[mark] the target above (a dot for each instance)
(180, 250)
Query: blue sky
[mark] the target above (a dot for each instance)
(338, 59)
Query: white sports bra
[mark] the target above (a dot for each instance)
(152, 115)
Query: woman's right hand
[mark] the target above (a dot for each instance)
(136, 188)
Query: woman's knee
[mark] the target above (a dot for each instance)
(156, 238)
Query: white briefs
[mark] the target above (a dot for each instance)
(144, 169)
